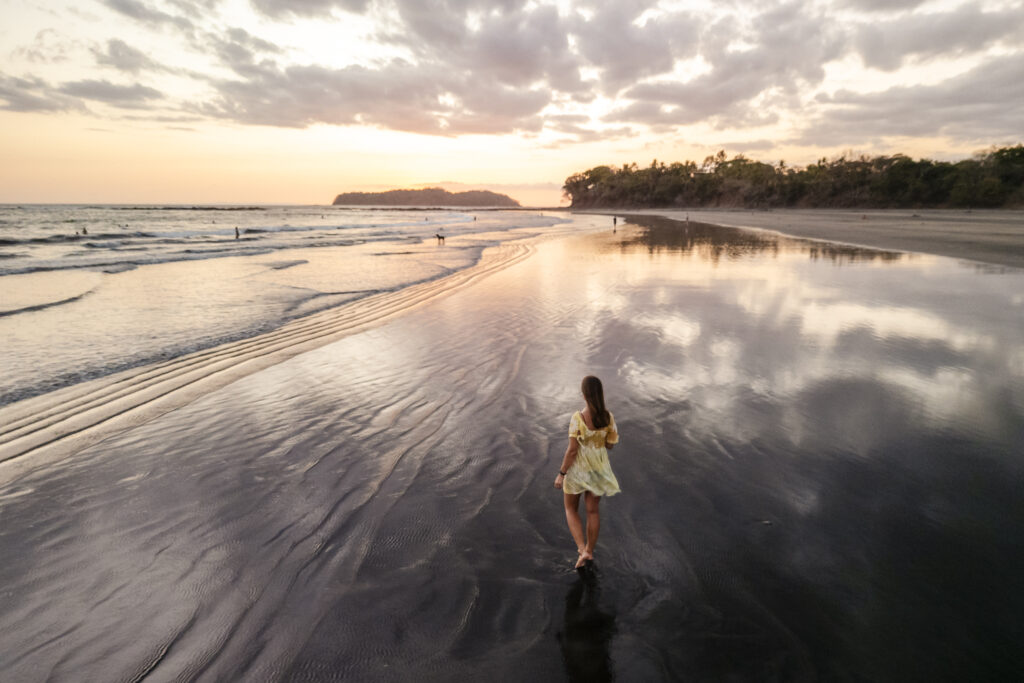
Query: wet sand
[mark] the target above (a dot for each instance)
(820, 469)
(987, 236)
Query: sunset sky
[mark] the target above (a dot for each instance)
(260, 101)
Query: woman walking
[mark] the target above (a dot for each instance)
(585, 468)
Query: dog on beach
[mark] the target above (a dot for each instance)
(440, 237)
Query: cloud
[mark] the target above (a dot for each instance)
(624, 51)
(397, 95)
(885, 45)
(883, 5)
(769, 64)
(250, 42)
(749, 145)
(301, 96)
(507, 41)
(983, 104)
(238, 49)
(48, 47)
(195, 8)
(577, 70)
(496, 108)
(33, 95)
(444, 23)
(521, 48)
(124, 57)
(110, 93)
(145, 14)
(308, 8)
(485, 73)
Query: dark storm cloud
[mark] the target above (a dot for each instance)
(124, 57)
(983, 104)
(885, 45)
(110, 93)
(33, 95)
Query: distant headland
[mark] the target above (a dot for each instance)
(430, 196)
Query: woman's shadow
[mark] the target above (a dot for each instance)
(587, 634)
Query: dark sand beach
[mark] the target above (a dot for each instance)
(820, 464)
(994, 236)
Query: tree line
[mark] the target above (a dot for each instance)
(992, 179)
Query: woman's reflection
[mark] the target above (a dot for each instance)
(587, 635)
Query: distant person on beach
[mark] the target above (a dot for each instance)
(236, 232)
(585, 468)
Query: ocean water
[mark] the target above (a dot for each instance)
(86, 291)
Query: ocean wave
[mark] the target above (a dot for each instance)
(282, 265)
(119, 268)
(39, 307)
(60, 238)
(180, 208)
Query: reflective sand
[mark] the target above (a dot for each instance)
(820, 463)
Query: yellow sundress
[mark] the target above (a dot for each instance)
(591, 470)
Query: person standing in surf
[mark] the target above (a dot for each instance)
(585, 468)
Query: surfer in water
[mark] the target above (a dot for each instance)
(585, 469)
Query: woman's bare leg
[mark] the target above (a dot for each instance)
(593, 521)
(572, 516)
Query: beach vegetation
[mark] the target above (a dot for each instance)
(991, 179)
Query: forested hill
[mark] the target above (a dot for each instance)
(992, 179)
(431, 196)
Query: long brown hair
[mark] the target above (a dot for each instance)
(593, 394)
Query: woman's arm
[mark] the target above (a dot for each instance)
(612, 437)
(567, 460)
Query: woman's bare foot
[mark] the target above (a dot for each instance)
(585, 556)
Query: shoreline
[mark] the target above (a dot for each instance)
(73, 417)
(994, 237)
